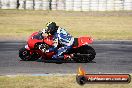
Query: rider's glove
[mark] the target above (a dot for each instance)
(43, 31)
(40, 32)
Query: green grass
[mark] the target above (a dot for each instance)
(51, 82)
(99, 25)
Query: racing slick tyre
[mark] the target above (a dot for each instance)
(85, 54)
(25, 55)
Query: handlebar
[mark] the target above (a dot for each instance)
(39, 36)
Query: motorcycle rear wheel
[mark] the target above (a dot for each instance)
(89, 54)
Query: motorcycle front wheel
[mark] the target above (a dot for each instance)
(24, 54)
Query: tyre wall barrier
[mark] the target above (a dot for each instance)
(68, 5)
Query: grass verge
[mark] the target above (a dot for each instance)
(18, 24)
(51, 82)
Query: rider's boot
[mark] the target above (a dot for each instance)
(58, 58)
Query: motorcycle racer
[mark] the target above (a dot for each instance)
(60, 36)
(59, 41)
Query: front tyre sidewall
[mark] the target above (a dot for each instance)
(24, 54)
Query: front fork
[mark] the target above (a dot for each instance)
(27, 47)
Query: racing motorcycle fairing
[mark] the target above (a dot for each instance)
(38, 38)
(81, 41)
(82, 52)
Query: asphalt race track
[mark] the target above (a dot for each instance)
(112, 57)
